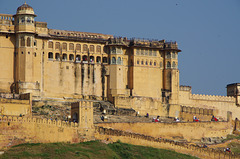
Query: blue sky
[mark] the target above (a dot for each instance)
(207, 31)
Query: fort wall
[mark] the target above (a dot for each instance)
(143, 105)
(219, 104)
(190, 131)
(16, 130)
(113, 135)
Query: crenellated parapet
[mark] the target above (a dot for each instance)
(45, 121)
(212, 98)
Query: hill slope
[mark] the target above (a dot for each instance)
(90, 150)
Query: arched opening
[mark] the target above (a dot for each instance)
(98, 49)
(91, 59)
(146, 63)
(168, 64)
(98, 59)
(64, 57)
(50, 44)
(71, 46)
(174, 64)
(50, 55)
(22, 41)
(64, 46)
(119, 61)
(57, 56)
(71, 57)
(91, 48)
(113, 60)
(28, 42)
(85, 48)
(105, 60)
(150, 63)
(75, 117)
(155, 63)
(78, 58)
(85, 59)
(78, 47)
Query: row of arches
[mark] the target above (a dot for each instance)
(146, 52)
(172, 55)
(193, 110)
(26, 42)
(116, 61)
(146, 62)
(77, 47)
(169, 65)
(77, 58)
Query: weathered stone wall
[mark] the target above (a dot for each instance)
(189, 131)
(220, 104)
(15, 130)
(113, 135)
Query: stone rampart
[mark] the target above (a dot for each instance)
(114, 135)
(16, 130)
(187, 113)
(190, 131)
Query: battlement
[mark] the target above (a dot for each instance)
(212, 97)
(31, 120)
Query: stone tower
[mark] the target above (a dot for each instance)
(24, 48)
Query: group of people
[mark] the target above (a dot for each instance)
(195, 119)
(156, 119)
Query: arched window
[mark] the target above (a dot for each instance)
(64, 57)
(22, 20)
(168, 55)
(57, 46)
(150, 52)
(138, 62)
(71, 57)
(50, 44)
(98, 59)
(150, 63)
(64, 46)
(57, 56)
(142, 52)
(28, 20)
(22, 41)
(92, 59)
(113, 50)
(146, 62)
(146, 52)
(84, 58)
(113, 60)
(50, 55)
(174, 65)
(78, 58)
(105, 60)
(85, 48)
(137, 52)
(28, 42)
(98, 49)
(91, 48)
(168, 64)
(155, 63)
(71, 46)
(119, 61)
(173, 55)
(78, 47)
(142, 62)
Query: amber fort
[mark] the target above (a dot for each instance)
(41, 65)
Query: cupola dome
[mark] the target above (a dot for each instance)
(25, 9)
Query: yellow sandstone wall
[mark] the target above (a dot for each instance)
(189, 131)
(15, 130)
(219, 104)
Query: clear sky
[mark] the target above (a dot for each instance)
(207, 31)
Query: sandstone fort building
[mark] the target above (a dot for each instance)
(131, 73)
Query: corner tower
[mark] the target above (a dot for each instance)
(24, 48)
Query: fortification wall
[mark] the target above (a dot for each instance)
(16, 107)
(15, 130)
(220, 104)
(112, 135)
(189, 131)
(143, 105)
